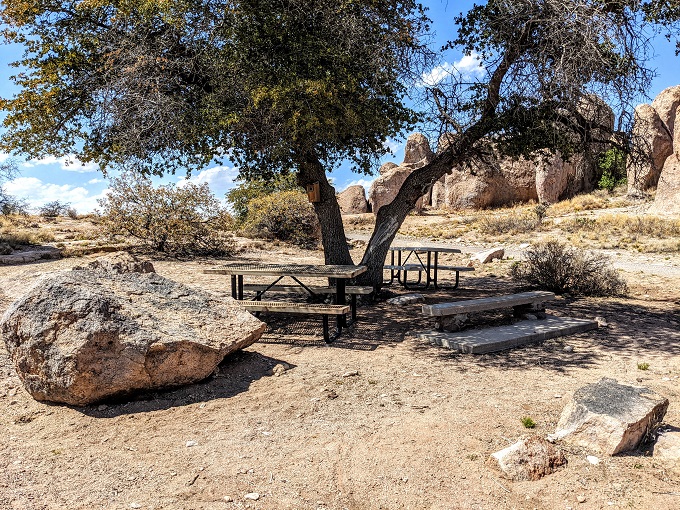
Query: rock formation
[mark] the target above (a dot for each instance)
(530, 458)
(353, 200)
(117, 327)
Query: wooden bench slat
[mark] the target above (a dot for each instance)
(350, 289)
(455, 268)
(278, 306)
(491, 303)
(407, 267)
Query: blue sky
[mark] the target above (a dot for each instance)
(80, 185)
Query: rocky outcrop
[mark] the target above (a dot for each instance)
(353, 200)
(417, 152)
(438, 194)
(654, 144)
(610, 418)
(84, 335)
(666, 106)
(667, 199)
(528, 459)
(387, 167)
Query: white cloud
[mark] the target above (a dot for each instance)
(69, 163)
(393, 145)
(468, 67)
(3, 157)
(38, 193)
(366, 183)
(219, 178)
(95, 181)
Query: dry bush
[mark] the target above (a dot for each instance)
(286, 216)
(588, 202)
(512, 223)
(185, 220)
(12, 238)
(558, 268)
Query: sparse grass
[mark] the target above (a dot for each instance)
(513, 223)
(643, 366)
(528, 422)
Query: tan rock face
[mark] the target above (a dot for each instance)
(529, 459)
(667, 199)
(666, 105)
(353, 200)
(610, 418)
(651, 138)
(417, 150)
(85, 335)
(385, 188)
(384, 169)
(438, 196)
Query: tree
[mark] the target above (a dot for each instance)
(299, 85)
(547, 64)
(8, 203)
(181, 220)
(277, 85)
(251, 189)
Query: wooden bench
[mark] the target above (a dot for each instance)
(305, 308)
(352, 290)
(524, 302)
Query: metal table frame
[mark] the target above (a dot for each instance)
(430, 266)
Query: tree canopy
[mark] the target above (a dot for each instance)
(166, 84)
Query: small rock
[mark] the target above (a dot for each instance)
(351, 373)
(228, 499)
(530, 317)
(135, 505)
(593, 460)
(191, 443)
(568, 348)
(278, 369)
(581, 498)
(253, 496)
(406, 299)
(529, 459)
(487, 256)
(601, 322)
(102, 407)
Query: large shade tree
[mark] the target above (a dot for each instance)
(278, 86)
(298, 85)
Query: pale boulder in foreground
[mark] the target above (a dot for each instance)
(84, 335)
(609, 418)
(528, 459)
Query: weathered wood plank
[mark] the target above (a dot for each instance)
(350, 289)
(490, 303)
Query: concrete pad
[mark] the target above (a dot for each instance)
(480, 341)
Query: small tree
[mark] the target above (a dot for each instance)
(612, 165)
(186, 220)
(54, 209)
(248, 190)
(8, 203)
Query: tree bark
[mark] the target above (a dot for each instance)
(335, 248)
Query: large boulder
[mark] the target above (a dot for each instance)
(353, 200)
(553, 176)
(84, 335)
(654, 143)
(528, 459)
(385, 188)
(609, 418)
(438, 194)
(666, 106)
(385, 168)
(520, 175)
(418, 152)
(667, 199)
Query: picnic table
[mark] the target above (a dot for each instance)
(340, 273)
(430, 266)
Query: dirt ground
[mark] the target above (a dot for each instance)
(375, 420)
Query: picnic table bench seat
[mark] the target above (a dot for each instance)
(521, 303)
(303, 308)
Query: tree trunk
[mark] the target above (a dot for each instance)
(335, 248)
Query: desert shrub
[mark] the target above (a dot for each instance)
(240, 197)
(54, 209)
(512, 223)
(612, 165)
(286, 216)
(186, 220)
(558, 268)
(10, 205)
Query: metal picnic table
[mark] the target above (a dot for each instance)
(430, 266)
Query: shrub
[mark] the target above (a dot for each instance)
(512, 223)
(612, 164)
(54, 209)
(287, 216)
(528, 422)
(10, 205)
(185, 220)
(555, 267)
(240, 197)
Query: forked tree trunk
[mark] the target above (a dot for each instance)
(335, 248)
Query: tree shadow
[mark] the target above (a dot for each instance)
(234, 375)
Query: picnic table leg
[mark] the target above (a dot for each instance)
(436, 266)
(428, 279)
(340, 288)
(240, 287)
(233, 287)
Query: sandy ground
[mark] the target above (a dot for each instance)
(375, 420)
